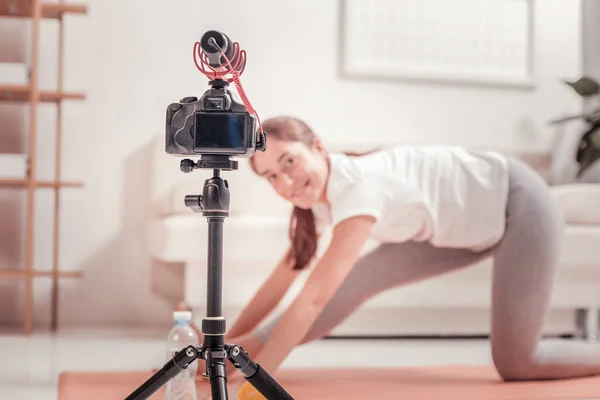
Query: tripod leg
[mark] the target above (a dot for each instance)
(180, 361)
(257, 376)
(217, 374)
(215, 356)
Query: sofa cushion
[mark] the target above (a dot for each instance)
(580, 202)
(184, 237)
(255, 239)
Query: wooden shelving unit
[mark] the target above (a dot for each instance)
(23, 93)
(26, 9)
(35, 11)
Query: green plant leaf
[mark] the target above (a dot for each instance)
(595, 138)
(584, 86)
(589, 151)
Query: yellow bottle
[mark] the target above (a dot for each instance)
(248, 392)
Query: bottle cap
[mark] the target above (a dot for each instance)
(182, 315)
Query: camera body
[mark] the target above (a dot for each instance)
(215, 124)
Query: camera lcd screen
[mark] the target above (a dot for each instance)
(220, 131)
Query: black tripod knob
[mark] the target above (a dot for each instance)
(194, 201)
(187, 165)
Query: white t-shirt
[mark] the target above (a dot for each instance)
(447, 196)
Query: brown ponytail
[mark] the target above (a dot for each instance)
(302, 229)
(303, 235)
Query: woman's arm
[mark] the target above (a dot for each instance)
(264, 301)
(348, 239)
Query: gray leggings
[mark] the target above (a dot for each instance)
(525, 261)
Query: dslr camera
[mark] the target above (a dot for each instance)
(215, 124)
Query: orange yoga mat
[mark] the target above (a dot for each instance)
(450, 382)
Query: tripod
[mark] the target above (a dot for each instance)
(214, 205)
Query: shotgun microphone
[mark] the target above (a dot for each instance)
(214, 44)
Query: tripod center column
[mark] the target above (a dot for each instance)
(215, 207)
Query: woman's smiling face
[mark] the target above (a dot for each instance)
(298, 172)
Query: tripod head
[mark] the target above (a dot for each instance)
(214, 200)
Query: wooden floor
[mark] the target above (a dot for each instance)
(423, 383)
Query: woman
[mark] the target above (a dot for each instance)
(434, 209)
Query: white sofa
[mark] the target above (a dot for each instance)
(255, 236)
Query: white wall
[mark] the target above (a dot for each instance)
(133, 59)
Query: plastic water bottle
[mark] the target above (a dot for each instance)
(182, 386)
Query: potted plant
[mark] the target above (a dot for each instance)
(588, 151)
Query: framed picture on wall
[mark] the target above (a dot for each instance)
(486, 42)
